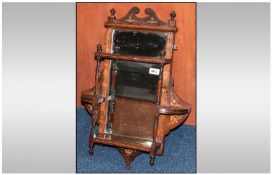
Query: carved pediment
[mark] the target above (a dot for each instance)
(150, 20)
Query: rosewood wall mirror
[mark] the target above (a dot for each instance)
(133, 104)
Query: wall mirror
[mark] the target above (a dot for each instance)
(133, 103)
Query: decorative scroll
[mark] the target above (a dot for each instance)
(150, 19)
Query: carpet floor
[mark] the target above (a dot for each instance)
(179, 154)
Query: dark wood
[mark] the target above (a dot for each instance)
(131, 18)
(136, 27)
(166, 110)
(133, 58)
(134, 125)
(172, 21)
(129, 155)
(123, 141)
(150, 23)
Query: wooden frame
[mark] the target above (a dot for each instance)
(170, 110)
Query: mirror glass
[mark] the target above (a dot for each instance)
(138, 43)
(137, 80)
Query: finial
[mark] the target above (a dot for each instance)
(173, 15)
(112, 18)
(172, 21)
(99, 47)
(112, 12)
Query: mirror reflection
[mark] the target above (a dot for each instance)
(138, 43)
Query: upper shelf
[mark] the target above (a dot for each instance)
(132, 58)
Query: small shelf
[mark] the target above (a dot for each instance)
(133, 58)
(162, 28)
(123, 141)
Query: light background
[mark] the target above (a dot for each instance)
(39, 87)
(233, 87)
